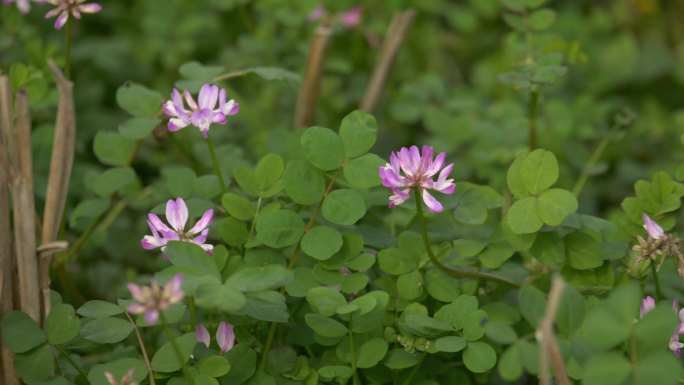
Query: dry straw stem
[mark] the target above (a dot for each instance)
(60, 173)
(546, 338)
(394, 38)
(7, 265)
(308, 94)
(23, 209)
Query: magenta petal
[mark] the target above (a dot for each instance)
(202, 335)
(177, 213)
(90, 8)
(652, 228)
(432, 203)
(61, 20)
(203, 223)
(225, 337)
(646, 305)
(151, 316)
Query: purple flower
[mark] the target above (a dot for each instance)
(202, 113)
(652, 228)
(73, 7)
(352, 17)
(646, 305)
(153, 299)
(23, 5)
(418, 171)
(317, 14)
(225, 337)
(177, 216)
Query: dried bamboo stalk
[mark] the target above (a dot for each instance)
(23, 213)
(25, 156)
(393, 40)
(58, 180)
(6, 266)
(308, 93)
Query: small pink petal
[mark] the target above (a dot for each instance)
(177, 213)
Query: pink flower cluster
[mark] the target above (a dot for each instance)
(64, 8)
(177, 216)
(225, 337)
(150, 300)
(201, 114)
(418, 172)
(349, 19)
(675, 345)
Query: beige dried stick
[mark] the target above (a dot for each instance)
(58, 179)
(394, 38)
(548, 349)
(308, 93)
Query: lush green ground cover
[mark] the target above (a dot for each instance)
(281, 262)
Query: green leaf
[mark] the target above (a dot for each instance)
(247, 180)
(179, 180)
(396, 261)
(243, 363)
(457, 311)
(533, 3)
(138, 128)
(88, 209)
(500, 332)
(539, 171)
(189, 254)
(473, 325)
(335, 372)
(659, 368)
(479, 357)
(522, 217)
(571, 311)
(224, 297)
(583, 251)
(206, 186)
(495, 254)
(532, 304)
(344, 207)
(325, 300)
(322, 242)
(268, 171)
(514, 179)
(371, 353)
(303, 183)
(107, 330)
(266, 306)
(410, 285)
(214, 366)
(470, 214)
(541, 19)
(606, 369)
(450, 344)
(112, 148)
(36, 365)
(510, 364)
(260, 278)
(62, 324)
(358, 132)
(323, 148)
(611, 321)
(325, 326)
(139, 100)
(118, 368)
(281, 359)
(99, 309)
(20, 333)
(197, 71)
(554, 205)
(654, 330)
(233, 232)
(362, 172)
(275, 73)
(441, 286)
(165, 360)
(113, 180)
(401, 359)
(279, 228)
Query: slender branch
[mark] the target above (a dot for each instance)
(532, 116)
(656, 281)
(595, 156)
(352, 353)
(67, 49)
(394, 38)
(216, 165)
(176, 349)
(545, 336)
(256, 215)
(308, 93)
(439, 265)
(229, 75)
(142, 348)
(73, 363)
(191, 310)
(413, 373)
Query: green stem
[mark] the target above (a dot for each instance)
(532, 113)
(191, 306)
(415, 369)
(658, 293)
(256, 215)
(73, 363)
(67, 49)
(352, 353)
(293, 259)
(439, 265)
(142, 349)
(229, 75)
(176, 349)
(215, 164)
(595, 156)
